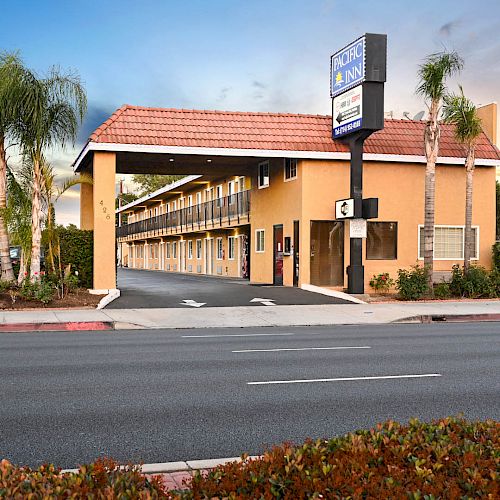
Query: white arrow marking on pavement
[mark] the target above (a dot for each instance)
(265, 302)
(192, 303)
(345, 379)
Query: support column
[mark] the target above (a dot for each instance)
(162, 255)
(86, 207)
(104, 221)
(132, 259)
(146, 255)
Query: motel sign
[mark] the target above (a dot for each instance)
(348, 67)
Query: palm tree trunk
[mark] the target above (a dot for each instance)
(36, 230)
(22, 268)
(5, 261)
(468, 236)
(431, 137)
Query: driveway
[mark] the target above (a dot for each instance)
(153, 289)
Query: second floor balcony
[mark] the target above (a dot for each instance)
(227, 211)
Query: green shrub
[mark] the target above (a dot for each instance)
(442, 291)
(449, 458)
(475, 283)
(5, 285)
(100, 480)
(412, 283)
(77, 250)
(381, 282)
(496, 256)
(41, 290)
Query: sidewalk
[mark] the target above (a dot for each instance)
(254, 316)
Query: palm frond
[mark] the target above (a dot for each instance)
(434, 71)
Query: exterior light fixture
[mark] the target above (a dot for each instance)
(209, 160)
(170, 159)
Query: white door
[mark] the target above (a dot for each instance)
(208, 256)
(182, 255)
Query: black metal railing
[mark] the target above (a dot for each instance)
(229, 209)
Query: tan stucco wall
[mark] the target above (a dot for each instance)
(488, 115)
(86, 207)
(280, 203)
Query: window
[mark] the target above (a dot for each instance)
(230, 192)
(263, 174)
(156, 211)
(190, 204)
(449, 242)
(174, 205)
(198, 249)
(174, 249)
(168, 250)
(198, 198)
(190, 249)
(230, 247)
(241, 184)
(290, 169)
(382, 241)
(218, 196)
(259, 240)
(219, 248)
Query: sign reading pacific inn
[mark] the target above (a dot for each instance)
(357, 88)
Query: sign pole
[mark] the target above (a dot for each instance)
(356, 270)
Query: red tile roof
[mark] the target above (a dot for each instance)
(268, 131)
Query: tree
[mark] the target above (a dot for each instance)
(11, 70)
(151, 182)
(52, 109)
(432, 79)
(461, 112)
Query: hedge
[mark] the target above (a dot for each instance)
(77, 249)
(449, 458)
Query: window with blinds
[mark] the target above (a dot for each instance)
(449, 242)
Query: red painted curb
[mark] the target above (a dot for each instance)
(69, 326)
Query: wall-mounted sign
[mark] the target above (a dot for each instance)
(344, 208)
(357, 228)
(347, 112)
(348, 67)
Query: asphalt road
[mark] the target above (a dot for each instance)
(150, 289)
(158, 396)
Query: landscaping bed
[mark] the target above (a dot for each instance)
(79, 299)
(450, 458)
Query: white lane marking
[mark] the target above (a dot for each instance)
(192, 303)
(236, 335)
(265, 302)
(305, 349)
(344, 379)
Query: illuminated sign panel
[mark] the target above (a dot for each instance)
(348, 67)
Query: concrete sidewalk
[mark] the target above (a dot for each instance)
(256, 316)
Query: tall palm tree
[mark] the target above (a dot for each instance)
(432, 87)
(462, 113)
(53, 108)
(11, 72)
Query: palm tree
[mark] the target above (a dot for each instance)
(461, 112)
(53, 108)
(432, 78)
(11, 71)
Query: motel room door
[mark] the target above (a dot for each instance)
(278, 255)
(182, 255)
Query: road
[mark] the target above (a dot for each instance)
(158, 396)
(155, 289)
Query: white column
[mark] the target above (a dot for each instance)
(162, 255)
(146, 255)
(132, 260)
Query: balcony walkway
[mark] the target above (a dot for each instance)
(229, 211)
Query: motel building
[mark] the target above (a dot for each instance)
(258, 197)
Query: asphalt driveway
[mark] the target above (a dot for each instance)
(153, 289)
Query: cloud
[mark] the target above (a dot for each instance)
(223, 94)
(96, 115)
(259, 85)
(447, 28)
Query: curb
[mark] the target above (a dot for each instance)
(190, 465)
(68, 326)
(332, 293)
(450, 318)
(112, 295)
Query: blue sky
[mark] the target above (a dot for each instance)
(249, 55)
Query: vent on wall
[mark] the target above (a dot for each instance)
(219, 269)
(175, 267)
(168, 267)
(198, 268)
(190, 268)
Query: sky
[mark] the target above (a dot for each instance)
(253, 55)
